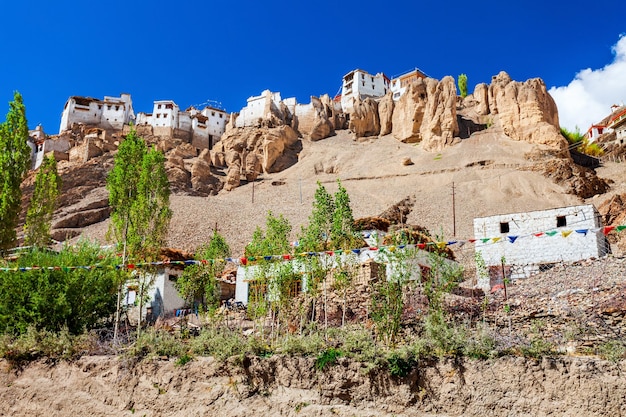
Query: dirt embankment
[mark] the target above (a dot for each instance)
(106, 386)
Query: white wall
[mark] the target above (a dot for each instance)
(163, 296)
(362, 84)
(530, 251)
(246, 274)
(110, 113)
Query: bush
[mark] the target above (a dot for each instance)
(327, 358)
(153, 342)
(400, 363)
(612, 350)
(308, 345)
(218, 343)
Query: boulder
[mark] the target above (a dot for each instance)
(233, 177)
(185, 151)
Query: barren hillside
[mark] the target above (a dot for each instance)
(490, 174)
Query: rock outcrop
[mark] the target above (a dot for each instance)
(315, 120)
(364, 118)
(385, 113)
(427, 113)
(249, 151)
(525, 110)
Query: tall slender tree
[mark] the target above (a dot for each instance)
(14, 162)
(42, 204)
(139, 196)
(343, 234)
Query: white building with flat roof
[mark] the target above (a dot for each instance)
(361, 84)
(111, 113)
(400, 83)
(520, 244)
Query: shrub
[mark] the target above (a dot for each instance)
(327, 358)
(612, 350)
(400, 363)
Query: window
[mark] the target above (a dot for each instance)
(372, 79)
(220, 115)
(504, 227)
(362, 76)
(373, 87)
(158, 115)
(159, 106)
(561, 221)
(212, 113)
(117, 108)
(363, 83)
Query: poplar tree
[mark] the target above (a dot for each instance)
(343, 233)
(198, 282)
(463, 85)
(42, 204)
(14, 163)
(139, 196)
(316, 236)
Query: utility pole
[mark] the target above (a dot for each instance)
(453, 212)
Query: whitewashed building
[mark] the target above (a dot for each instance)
(520, 244)
(263, 106)
(203, 129)
(111, 113)
(416, 267)
(400, 83)
(361, 84)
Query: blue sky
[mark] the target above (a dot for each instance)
(226, 51)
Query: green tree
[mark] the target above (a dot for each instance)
(275, 239)
(42, 204)
(139, 196)
(315, 236)
(61, 291)
(463, 85)
(198, 282)
(14, 162)
(343, 234)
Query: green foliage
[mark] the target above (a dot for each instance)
(343, 234)
(139, 196)
(274, 241)
(34, 344)
(572, 137)
(184, 359)
(327, 358)
(59, 297)
(400, 365)
(301, 345)
(152, 343)
(198, 282)
(584, 146)
(316, 236)
(14, 162)
(443, 337)
(613, 350)
(463, 85)
(42, 204)
(442, 278)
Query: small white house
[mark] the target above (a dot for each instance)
(522, 243)
(111, 113)
(360, 84)
(400, 83)
(419, 265)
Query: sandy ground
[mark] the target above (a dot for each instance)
(486, 170)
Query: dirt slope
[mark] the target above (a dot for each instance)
(489, 171)
(105, 386)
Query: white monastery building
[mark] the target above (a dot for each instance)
(263, 106)
(111, 113)
(203, 129)
(361, 84)
(400, 83)
(528, 241)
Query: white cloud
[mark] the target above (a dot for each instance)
(588, 98)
